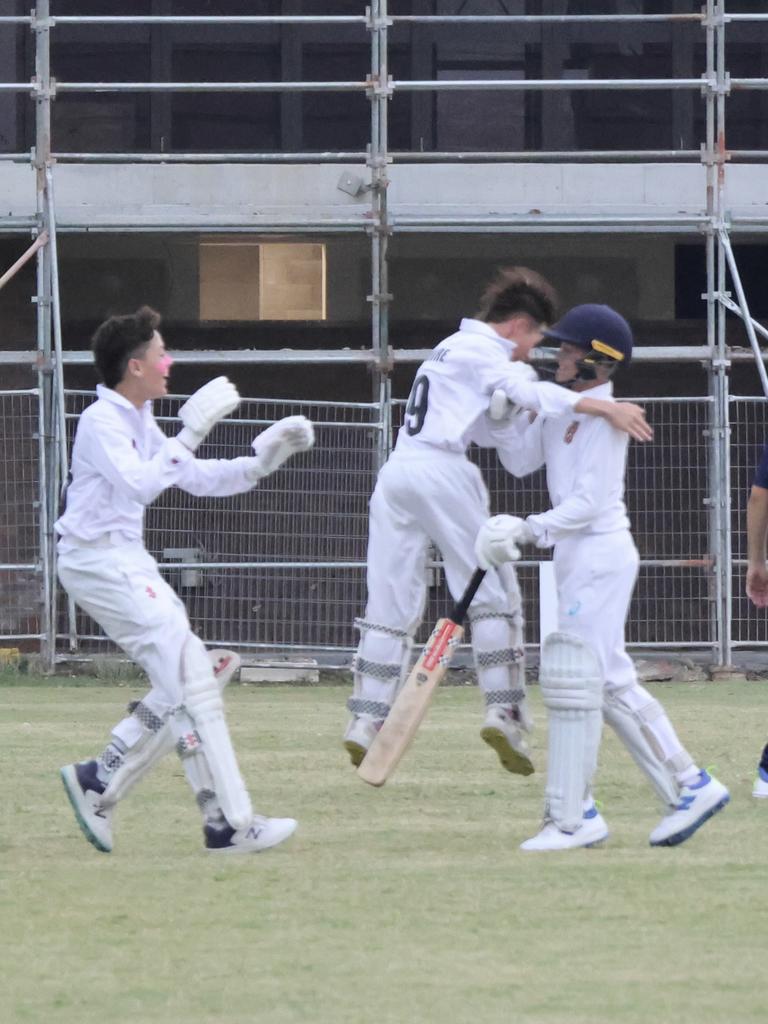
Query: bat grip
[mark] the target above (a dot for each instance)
(459, 610)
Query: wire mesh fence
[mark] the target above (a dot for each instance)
(20, 567)
(282, 568)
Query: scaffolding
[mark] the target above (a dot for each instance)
(380, 223)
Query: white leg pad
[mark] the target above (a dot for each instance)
(203, 702)
(656, 727)
(191, 753)
(156, 743)
(572, 688)
(380, 667)
(628, 728)
(499, 655)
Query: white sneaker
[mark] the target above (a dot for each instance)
(593, 832)
(260, 835)
(360, 734)
(503, 730)
(84, 790)
(760, 789)
(698, 802)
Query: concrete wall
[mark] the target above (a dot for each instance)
(130, 233)
(144, 195)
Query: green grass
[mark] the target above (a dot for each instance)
(406, 904)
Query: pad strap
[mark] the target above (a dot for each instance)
(359, 706)
(508, 698)
(365, 627)
(505, 656)
(386, 672)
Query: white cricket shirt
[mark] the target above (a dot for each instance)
(449, 399)
(121, 461)
(585, 460)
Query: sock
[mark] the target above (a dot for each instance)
(110, 759)
(689, 776)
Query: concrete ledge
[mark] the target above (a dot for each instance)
(273, 671)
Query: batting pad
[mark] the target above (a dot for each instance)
(572, 688)
(203, 702)
(157, 739)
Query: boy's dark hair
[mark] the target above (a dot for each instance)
(516, 290)
(119, 339)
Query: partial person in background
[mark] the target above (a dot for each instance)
(430, 493)
(757, 576)
(586, 674)
(121, 462)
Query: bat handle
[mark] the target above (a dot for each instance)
(459, 610)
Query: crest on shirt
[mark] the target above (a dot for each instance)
(571, 431)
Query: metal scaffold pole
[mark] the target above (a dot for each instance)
(379, 298)
(719, 366)
(47, 417)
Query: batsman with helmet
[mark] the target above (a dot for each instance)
(429, 492)
(586, 675)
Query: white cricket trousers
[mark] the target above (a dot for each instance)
(595, 576)
(439, 497)
(121, 588)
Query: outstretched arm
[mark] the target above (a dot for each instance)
(624, 416)
(757, 533)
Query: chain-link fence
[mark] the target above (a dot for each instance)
(282, 568)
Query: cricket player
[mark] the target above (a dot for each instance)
(430, 492)
(586, 674)
(121, 461)
(757, 576)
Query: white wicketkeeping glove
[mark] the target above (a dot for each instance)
(200, 413)
(499, 539)
(279, 442)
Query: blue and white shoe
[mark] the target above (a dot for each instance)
(593, 832)
(760, 789)
(697, 803)
(84, 789)
(260, 835)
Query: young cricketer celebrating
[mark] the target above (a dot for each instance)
(121, 461)
(586, 674)
(430, 492)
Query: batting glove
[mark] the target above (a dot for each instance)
(279, 442)
(209, 404)
(499, 539)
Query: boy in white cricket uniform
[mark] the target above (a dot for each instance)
(429, 491)
(121, 461)
(586, 673)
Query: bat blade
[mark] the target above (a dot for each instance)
(411, 703)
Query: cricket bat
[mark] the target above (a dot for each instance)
(412, 701)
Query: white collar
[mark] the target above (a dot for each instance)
(110, 395)
(471, 326)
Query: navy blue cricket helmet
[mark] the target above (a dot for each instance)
(602, 332)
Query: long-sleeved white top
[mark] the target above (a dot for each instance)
(585, 459)
(449, 399)
(121, 461)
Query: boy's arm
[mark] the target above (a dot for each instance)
(623, 416)
(757, 532)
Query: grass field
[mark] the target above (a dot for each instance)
(406, 904)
